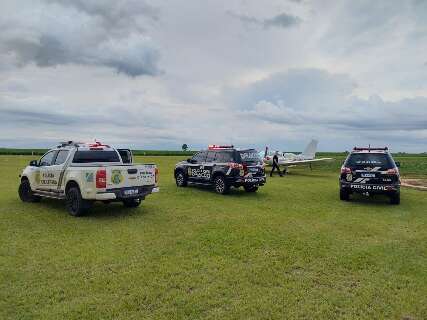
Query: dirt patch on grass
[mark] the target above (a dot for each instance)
(419, 184)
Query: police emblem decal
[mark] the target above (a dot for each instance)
(116, 176)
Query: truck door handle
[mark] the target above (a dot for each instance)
(132, 171)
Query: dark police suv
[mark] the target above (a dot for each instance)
(223, 167)
(370, 171)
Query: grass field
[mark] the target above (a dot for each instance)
(293, 250)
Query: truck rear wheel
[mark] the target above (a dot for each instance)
(344, 195)
(131, 203)
(74, 202)
(395, 198)
(25, 192)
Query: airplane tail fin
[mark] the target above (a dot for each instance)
(310, 150)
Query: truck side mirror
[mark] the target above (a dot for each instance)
(189, 160)
(397, 164)
(34, 163)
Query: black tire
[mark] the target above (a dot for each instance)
(395, 198)
(344, 195)
(74, 202)
(221, 185)
(181, 179)
(250, 188)
(132, 203)
(25, 192)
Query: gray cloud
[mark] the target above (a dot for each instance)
(34, 118)
(312, 89)
(316, 98)
(282, 20)
(116, 16)
(108, 34)
(146, 124)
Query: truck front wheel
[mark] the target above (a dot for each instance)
(132, 203)
(180, 179)
(25, 192)
(74, 202)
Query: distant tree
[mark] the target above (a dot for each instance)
(184, 147)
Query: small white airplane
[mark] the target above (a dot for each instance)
(308, 156)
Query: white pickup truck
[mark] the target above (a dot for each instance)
(82, 173)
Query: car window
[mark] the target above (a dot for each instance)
(46, 160)
(200, 157)
(61, 157)
(249, 156)
(95, 156)
(126, 155)
(211, 156)
(224, 156)
(371, 160)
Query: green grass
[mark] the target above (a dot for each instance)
(293, 250)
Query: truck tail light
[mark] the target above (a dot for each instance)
(234, 165)
(156, 175)
(392, 172)
(345, 170)
(101, 178)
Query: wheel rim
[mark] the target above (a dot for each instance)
(220, 185)
(180, 179)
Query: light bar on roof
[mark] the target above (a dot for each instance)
(369, 148)
(218, 147)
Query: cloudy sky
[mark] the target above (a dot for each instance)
(157, 74)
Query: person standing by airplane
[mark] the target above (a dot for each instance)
(276, 164)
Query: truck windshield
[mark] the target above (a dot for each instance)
(249, 156)
(370, 160)
(95, 156)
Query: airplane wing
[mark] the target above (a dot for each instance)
(295, 162)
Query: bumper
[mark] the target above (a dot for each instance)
(248, 181)
(370, 188)
(105, 196)
(126, 193)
